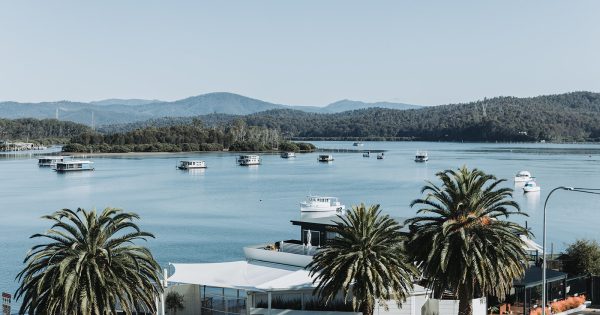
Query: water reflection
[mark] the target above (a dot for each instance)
(532, 200)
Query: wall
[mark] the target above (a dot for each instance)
(450, 307)
(191, 298)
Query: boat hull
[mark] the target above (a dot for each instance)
(185, 168)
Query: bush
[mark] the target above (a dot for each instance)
(582, 257)
(288, 147)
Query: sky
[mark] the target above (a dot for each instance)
(298, 52)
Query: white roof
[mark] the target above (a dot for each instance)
(530, 245)
(76, 162)
(524, 173)
(242, 275)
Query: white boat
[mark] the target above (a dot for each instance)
(74, 166)
(245, 160)
(367, 154)
(321, 204)
(421, 156)
(191, 164)
(287, 155)
(325, 158)
(523, 176)
(358, 144)
(380, 156)
(531, 186)
(50, 160)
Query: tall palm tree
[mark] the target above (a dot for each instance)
(89, 264)
(460, 240)
(365, 261)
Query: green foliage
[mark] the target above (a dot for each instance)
(89, 263)
(45, 131)
(289, 146)
(582, 257)
(365, 262)
(460, 240)
(174, 301)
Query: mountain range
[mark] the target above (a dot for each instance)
(120, 111)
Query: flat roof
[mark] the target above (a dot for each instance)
(533, 277)
(333, 220)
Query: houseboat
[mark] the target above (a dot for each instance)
(322, 204)
(325, 158)
(523, 176)
(73, 166)
(246, 160)
(50, 160)
(380, 156)
(421, 156)
(367, 154)
(358, 144)
(531, 186)
(191, 164)
(287, 155)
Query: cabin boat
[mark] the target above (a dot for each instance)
(246, 160)
(380, 156)
(74, 166)
(287, 155)
(531, 186)
(325, 158)
(358, 144)
(367, 154)
(421, 156)
(191, 164)
(50, 160)
(523, 176)
(322, 204)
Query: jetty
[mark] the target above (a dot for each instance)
(7, 146)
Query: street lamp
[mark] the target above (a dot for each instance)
(576, 189)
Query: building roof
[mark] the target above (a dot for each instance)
(533, 277)
(332, 220)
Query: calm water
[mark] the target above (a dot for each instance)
(209, 215)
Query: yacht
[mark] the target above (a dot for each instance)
(358, 144)
(191, 164)
(523, 176)
(74, 166)
(246, 160)
(325, 158)
(421, 156)
(367, 154)
(50, 160)
(531, 186)
(380, 156)
(287, 155)
(321, 204)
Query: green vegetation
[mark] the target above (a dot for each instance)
(582, 257)
(45, 131)
(460, 241)
(365, 262)
(193, 137)
(174, 302)
(89, 264)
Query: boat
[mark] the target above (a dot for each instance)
(50, 160)
(287, 155)
(246, 160)
(367, 154)
(531, 186)
(421, 156)
(380, 156)
(523, 176)
(358, 144)
(322, 204)
(191, 164)
(74, 166)
(325, 158)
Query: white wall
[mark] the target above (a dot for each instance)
(191, 298)
(450, 307)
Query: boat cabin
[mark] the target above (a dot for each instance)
(186, 165)
(325, 158)
(75, 165)
(50, 160)
(246, 160)
(287, 155)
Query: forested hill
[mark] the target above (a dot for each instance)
(44, 130)
(564, 117)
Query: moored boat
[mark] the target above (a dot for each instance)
(191, 164)
(325, 158)
(531, 186)
(358, 144)
(367, 154)
(322, 204)
(523, 176)
(287, 155)
(50, 160)
(74, 166)
(246, 160)
(421, 156)
(380, 156)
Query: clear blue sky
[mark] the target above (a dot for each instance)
(298, 52)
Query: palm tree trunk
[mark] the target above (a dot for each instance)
(367, 308)
(465, 301)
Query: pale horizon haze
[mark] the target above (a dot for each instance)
(298, 53)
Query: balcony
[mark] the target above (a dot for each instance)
(290, 252)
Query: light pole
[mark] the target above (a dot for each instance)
(593, 191)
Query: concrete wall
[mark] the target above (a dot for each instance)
(450, 307)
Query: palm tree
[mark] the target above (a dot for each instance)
(174, 301)
(365, 261)
(460, 240)
(88, 265)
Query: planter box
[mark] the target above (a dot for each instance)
(573, 310)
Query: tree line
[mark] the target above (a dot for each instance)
(39, 130)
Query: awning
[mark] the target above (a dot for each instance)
(242, 275)
(530, 245)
